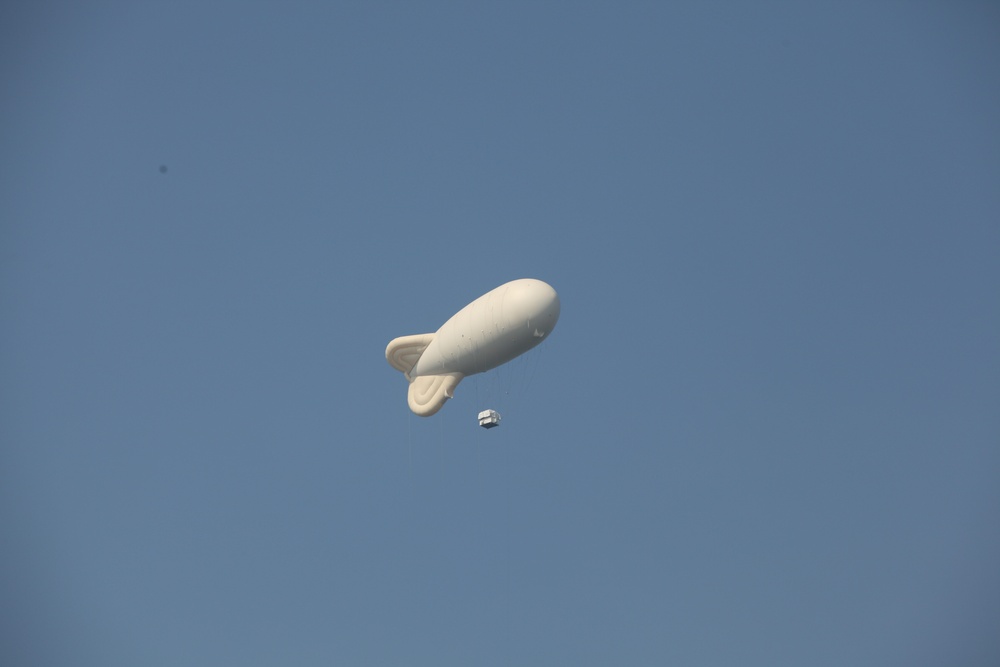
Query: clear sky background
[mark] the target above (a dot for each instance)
(766, 430)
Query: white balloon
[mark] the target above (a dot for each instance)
(498, 326)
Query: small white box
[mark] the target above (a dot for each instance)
(489, 418)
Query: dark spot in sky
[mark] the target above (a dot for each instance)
(163, 168)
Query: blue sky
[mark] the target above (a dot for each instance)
(764, 432)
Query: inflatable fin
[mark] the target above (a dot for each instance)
(402, 353)
(429, 392)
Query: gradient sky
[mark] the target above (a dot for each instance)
(766, 430)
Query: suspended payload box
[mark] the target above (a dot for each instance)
(489, 418)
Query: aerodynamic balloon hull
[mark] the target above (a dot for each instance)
(495, 328)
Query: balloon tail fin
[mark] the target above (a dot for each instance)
(429, 392)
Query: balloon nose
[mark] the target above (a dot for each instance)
(535, 301)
